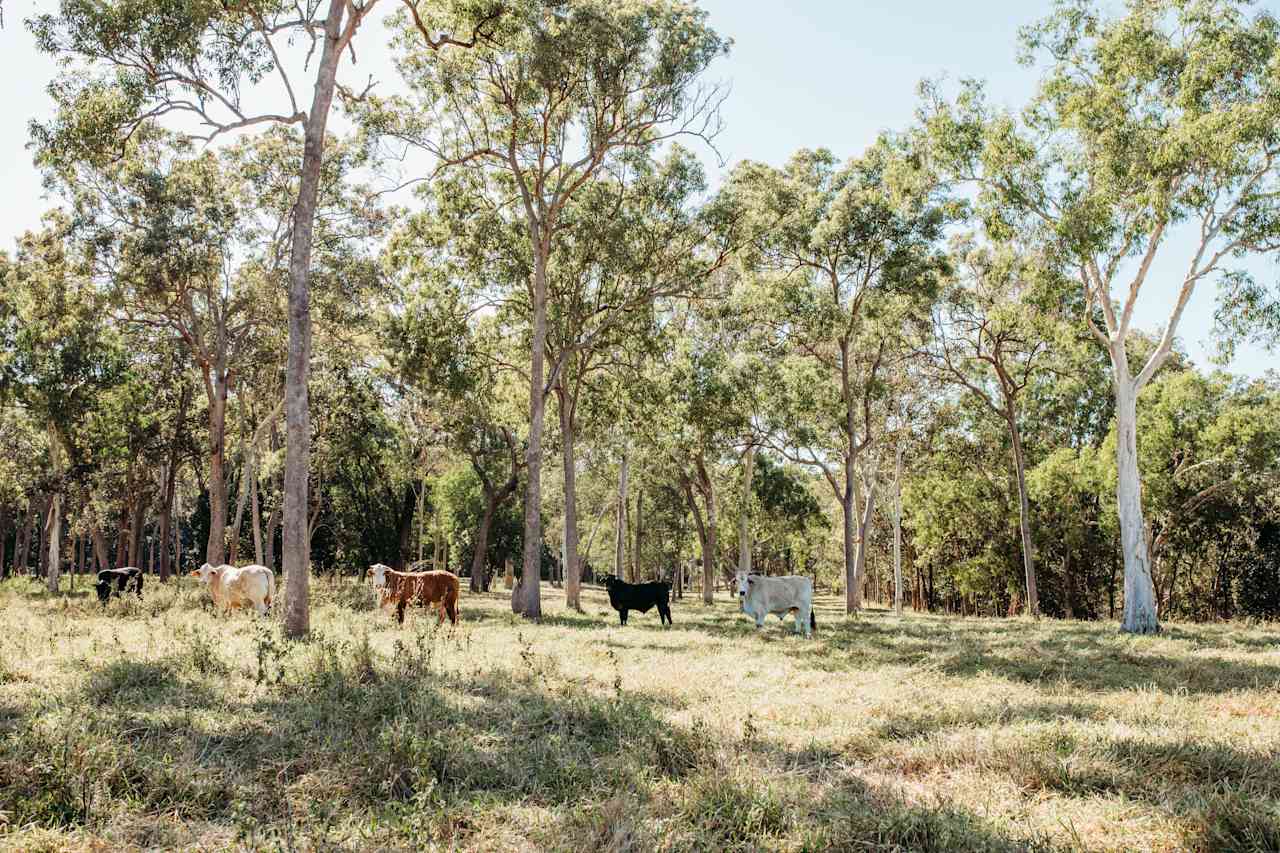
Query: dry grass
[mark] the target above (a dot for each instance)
(159, 725)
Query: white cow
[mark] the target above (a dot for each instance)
(758, 596)
(230, 587)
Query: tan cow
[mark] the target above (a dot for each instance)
(231, 587)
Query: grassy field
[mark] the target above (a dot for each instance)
(159, 725)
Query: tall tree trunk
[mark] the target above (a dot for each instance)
(269, 547)
(897, 530)
(404, 528)
(122, 529)
(702, 538)
(297, 540)
(849, 510)
(864, 531)
(170, 481)
(437, 545)
(1024, 510)
(53, 533)
(620, 530)
(215, 547)
(53, 537)
(709, 558)
(572, 566)
(255, 518)
(22, 548)
(480, 559)
(42, 533)
(744, 519)
(422, 513)
(639, 525)
(852, 579)
(100, 547)
(709, 553)
(246, 477)
(1140, 611)
(135, 529)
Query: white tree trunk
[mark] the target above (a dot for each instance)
(53, 533)
(864, 530)
(744, 520)
(897, 531)
(1024, 513)
(215, 547)
(848, 510)
(1140, 609)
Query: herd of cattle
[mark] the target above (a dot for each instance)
(255, 586)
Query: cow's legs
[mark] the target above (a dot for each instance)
(664, 611)
(622, 616)
(802, 620)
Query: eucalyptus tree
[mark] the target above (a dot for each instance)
(847, 256)
(1150, 141)
(550, 95)
(692, 415)
(632, 243)
(162, 233)
(62, 358)
(994, 330)
(127, 62)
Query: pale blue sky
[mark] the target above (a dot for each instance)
(805, 73)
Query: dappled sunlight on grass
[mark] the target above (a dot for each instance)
(160, 724)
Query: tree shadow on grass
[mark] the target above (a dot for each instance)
(141, 685)
(909, 725)
(1033, 653)
(406, 748)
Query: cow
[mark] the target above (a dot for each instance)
(116, 581)
(625, 596)
(231, 587)
(425, 588)
(758, 596)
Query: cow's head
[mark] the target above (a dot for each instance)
(104, 590)
(206, 573)
(377, 573)
(608, 581)
(744, 587)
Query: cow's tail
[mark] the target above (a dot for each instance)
(813, 620)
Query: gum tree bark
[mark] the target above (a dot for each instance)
(744, 520)
(297, 540)
(897, 530)
(620, 530)
(1140, 608)
(572, 567)
(53, 530)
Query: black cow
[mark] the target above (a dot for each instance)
(625, 596)
(122, 579)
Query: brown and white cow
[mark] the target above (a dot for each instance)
(425, 588)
